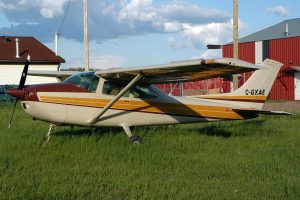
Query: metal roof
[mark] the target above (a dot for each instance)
(38, 52)
(276, 31)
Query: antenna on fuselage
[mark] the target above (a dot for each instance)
(86, 35)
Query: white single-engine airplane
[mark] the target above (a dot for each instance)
(125, 97)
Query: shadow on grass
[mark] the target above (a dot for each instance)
(253, 122)
(84, 132)
(219, 129)
(214, 130)
(224, 129)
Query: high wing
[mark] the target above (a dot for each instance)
(191, 70)
(297, 68)
(58, 74)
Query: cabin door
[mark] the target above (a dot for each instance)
(297, 86)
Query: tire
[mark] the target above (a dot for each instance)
(135, 140)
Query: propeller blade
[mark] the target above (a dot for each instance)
(24, 73)
(21, 86)
(12, 114)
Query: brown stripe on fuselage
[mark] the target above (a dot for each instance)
(51, 87)
(251, 99)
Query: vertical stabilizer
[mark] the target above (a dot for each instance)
(261, 81)
(255, 90)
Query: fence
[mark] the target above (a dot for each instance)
(4, 97)
(210, 86)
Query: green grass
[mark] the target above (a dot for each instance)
(255, 159)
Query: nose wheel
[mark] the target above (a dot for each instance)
(132, 139)
(52, 129)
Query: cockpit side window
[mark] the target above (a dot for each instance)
(138, 91)
(113, 88)
(93, 84)
(87, 80)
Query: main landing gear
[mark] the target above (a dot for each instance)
(132, 139)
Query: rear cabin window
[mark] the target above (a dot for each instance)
(143, 92)
(138, 91)
(87, 80)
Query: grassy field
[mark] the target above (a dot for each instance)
(255, 159)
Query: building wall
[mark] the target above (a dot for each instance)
(286, 51)
(209, 86)
(11, 74)
(247, 53)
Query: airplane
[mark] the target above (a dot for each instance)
(126, 97)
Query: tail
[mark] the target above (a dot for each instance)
(255, 90)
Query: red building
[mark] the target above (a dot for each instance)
(280, 42)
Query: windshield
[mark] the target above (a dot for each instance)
(87, 80)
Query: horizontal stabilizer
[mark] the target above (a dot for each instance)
(261, 112)
(266, 112)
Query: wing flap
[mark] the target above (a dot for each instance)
(191, 70)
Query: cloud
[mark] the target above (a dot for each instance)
(107, 62)
(212, 33)
(278, 10)
(8, 6)
(194, 14)
(137, 10)
(174, 44)
(14, 9)
(209, 54)
(98, 62)
(114, 19)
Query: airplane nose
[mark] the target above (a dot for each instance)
(18, 93)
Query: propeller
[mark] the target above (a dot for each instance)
(21, 86)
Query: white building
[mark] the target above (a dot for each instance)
(13, 54)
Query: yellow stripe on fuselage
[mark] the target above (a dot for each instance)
(150, 107)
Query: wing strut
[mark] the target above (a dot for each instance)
(115, 99)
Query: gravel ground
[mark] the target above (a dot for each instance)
(289, 106)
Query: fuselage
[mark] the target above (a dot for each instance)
(125, 98)
(70, 104)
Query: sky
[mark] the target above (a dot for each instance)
(128, 33)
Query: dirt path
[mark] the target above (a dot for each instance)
(289, 106)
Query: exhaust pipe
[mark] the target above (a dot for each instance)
(17, 48)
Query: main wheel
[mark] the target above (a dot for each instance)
(134, 139)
